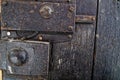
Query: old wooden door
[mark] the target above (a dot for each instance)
(55, 39)
(107, 60)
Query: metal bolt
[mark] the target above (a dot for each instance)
(46, 11)
(69, 36)
(18, 56)
(8, 33)
(71, 8)
(70, 27)
(93, 18)
(40, 38)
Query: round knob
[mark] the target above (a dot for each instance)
(18, 56)
(46, 11)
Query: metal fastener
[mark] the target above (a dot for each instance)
(46, 11)
(40, 38)
(69, 36)
(8, 33)
(4, 24)
(70, 27)
(71, 8)
(18, 56)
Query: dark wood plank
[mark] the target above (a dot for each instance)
(86, 7)
(107, 62)
(73, 60)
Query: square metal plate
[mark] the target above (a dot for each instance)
(38, 16)
(37, 62)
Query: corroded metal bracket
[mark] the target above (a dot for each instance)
(47, 20)
(38, 16)
(52, 21)
(25, 58)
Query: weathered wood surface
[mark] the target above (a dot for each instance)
(86, 7)
(73, 60)
(107, 61)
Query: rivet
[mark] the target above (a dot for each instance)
(40, 38)
(18, 56)
(69, 0)
(70, 27)
(46, 11)
(93, 18)
(69, 36)
(8, 33)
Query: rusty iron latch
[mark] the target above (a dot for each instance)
(43, 21)
(54, 20)
(38, 16)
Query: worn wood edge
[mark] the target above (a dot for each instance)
(0, 74)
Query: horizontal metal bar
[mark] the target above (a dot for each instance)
(85, 19)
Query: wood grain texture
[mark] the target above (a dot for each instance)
(73, 60)
(107, 62)
(86, 7)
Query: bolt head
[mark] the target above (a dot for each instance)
(40, 38)
(46, 11)
(4, 24)
(70, 36)
(18, 56)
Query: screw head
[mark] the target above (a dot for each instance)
(71, 9)
(40, 38)
(70, 28)
(18, 56)
(46, 11)
(8, 33)
(68, 0)
(70, 36)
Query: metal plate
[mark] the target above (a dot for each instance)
(23, 15)
(70, 1)
(38, 58)
(39, 37)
